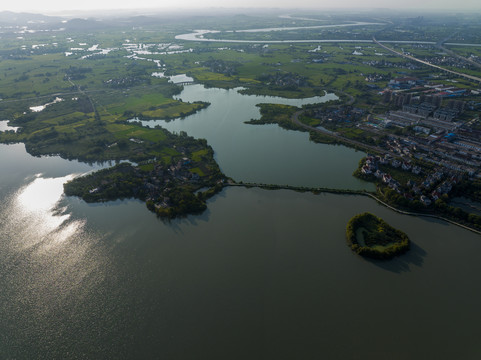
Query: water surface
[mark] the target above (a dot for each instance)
(259, 275)
(4, 126)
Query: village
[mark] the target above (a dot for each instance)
(428, 122)
(169, 188)
(435, 122)
(429, 188)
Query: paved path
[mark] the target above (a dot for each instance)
(353, 192)
(421, 214)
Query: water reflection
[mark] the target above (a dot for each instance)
(404, 263)
(50, 262)
(4, 126)
(41, 195)
(33, 213)
(258, 262)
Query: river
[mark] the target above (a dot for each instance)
(198, 35)
(264, 153)
(260, 275)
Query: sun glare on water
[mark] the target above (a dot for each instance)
(41, 195)
(36, 215)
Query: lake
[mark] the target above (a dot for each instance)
(259, 275)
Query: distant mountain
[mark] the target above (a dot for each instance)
(13, 18)
(84, 24)
(89, 23)
(143, 20)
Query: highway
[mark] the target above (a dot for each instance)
(466, 76)
(452, 53)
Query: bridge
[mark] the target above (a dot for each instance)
(183, 83)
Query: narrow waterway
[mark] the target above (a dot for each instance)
(264, 153)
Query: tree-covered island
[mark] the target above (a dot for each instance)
(171, 186)
(370, 236)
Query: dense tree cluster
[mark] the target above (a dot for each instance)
(380, 240)
(77, 73)
(170, 189)
(276, 114)
(127, 81)
(118, 182)
(286, 81)
(228, 68)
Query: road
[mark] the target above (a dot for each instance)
(466, 76)
(452, 53)
(353, 192)
(357, 144)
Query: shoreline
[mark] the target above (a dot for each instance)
(317, 191)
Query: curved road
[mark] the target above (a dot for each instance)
(354, 192)
(421, 214)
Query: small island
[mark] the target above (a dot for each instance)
(370, 236)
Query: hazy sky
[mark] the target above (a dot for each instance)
(44, 6)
